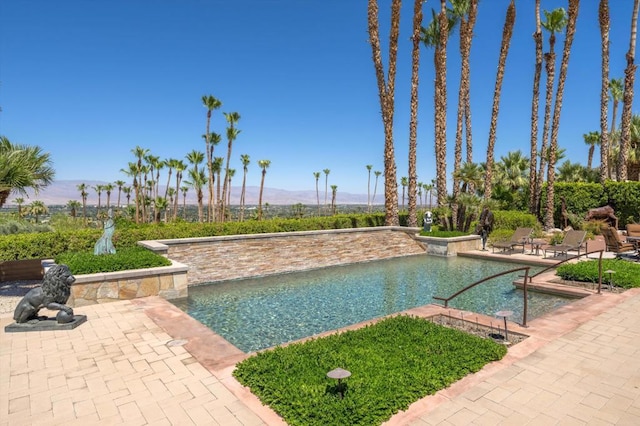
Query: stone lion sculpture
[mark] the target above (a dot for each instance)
(52, 294)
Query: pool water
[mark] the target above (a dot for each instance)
(259, 313)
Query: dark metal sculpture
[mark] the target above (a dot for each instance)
(485, 226)
(603, 213)
(52, 294)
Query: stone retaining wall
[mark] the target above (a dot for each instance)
(241, 256)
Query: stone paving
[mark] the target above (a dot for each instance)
(144, 362)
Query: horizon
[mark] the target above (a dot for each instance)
(89, 82)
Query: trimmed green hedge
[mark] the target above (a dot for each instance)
(124, 259)
(627, 273)
(51, 244)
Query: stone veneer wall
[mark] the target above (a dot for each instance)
(241, 256)
(169, 282)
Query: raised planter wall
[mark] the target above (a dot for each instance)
(450, 246)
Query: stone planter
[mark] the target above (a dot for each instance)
(450, 246)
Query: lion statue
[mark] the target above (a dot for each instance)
(52, 294)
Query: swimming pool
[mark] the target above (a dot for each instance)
(259, 313)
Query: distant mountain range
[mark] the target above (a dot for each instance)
(62, 191)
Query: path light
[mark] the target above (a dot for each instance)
(339, 374)
(610, 272)
(505, 315)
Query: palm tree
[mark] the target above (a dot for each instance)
(436, 35)
(471, 176)
(184, 190)
(627, 98)
(232, 133)
(507, 32)
(244, 158)
(411, 181)
(369, 167)
(37, 209)
(180, 167)
(99, 189)
(264, 165)
(19, 201)
(83, 195)
(73, 206)
(535, 102)
(135, 170)
(603, 20)
(232, 173)
(404, 181)
(108, 188)
(217, 170)
(326, 183)
(616, 91)
(197, 181)
(555, 125)
(465, 11)
(119, 184)
(22, 167)
(211, 103)
(386, 93)
(127, 193)
(375, 186)
(555, 22)
(334, 191)
(316, 175)
(592, 139)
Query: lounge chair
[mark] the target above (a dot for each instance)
(633, 229)
(519, 238)
(573, 241)
(614, 242)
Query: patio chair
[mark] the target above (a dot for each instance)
(519, 238)
(573, 241)
(614, 242)
(633, 229)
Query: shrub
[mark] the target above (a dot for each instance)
(627, 273)
(124, 259)
(393, 363)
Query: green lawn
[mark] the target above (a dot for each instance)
(392, 363)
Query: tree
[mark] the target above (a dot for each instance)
(316, 175)
(555, 22)
(465, 11)
(197, 181)
(244, 158)
(180, 167)
(616, 91)
(37, 209)
(369, 167)
(211, 104)
(23, 167)
(604, 22)
(99, 189)
(334, 191)
(592, 139)
(184, 190)
(375, 186)
(535, 104)
(386, 93)
(412, 220)
(264, 165)
(404, 181)
(83, 195)
(627, 99)
(507, 32)
(574, 6)
(326, 183)
(436, 35)
(232, 133)
(19, 201)
(73, 206)
(135, 170)
(108, 188)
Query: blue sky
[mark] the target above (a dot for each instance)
(89, 80)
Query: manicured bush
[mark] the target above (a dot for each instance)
(511, 219)
(124, 259)
(627, 274)
(392, 363)
(443, 234)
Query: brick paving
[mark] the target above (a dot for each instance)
(145, 362)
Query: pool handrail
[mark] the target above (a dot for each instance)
(524, 290)
(555, 265)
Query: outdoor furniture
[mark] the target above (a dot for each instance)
(573, 241)
(520, 237)
(614, 242)
(633, 229)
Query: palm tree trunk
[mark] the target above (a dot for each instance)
(440, 99)
(574, 6)
(264, 173)
(550, 60)
(535, 102)
(603, 19)
(629, 78)
(386, 93)
(504, 50)
(412, 220)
